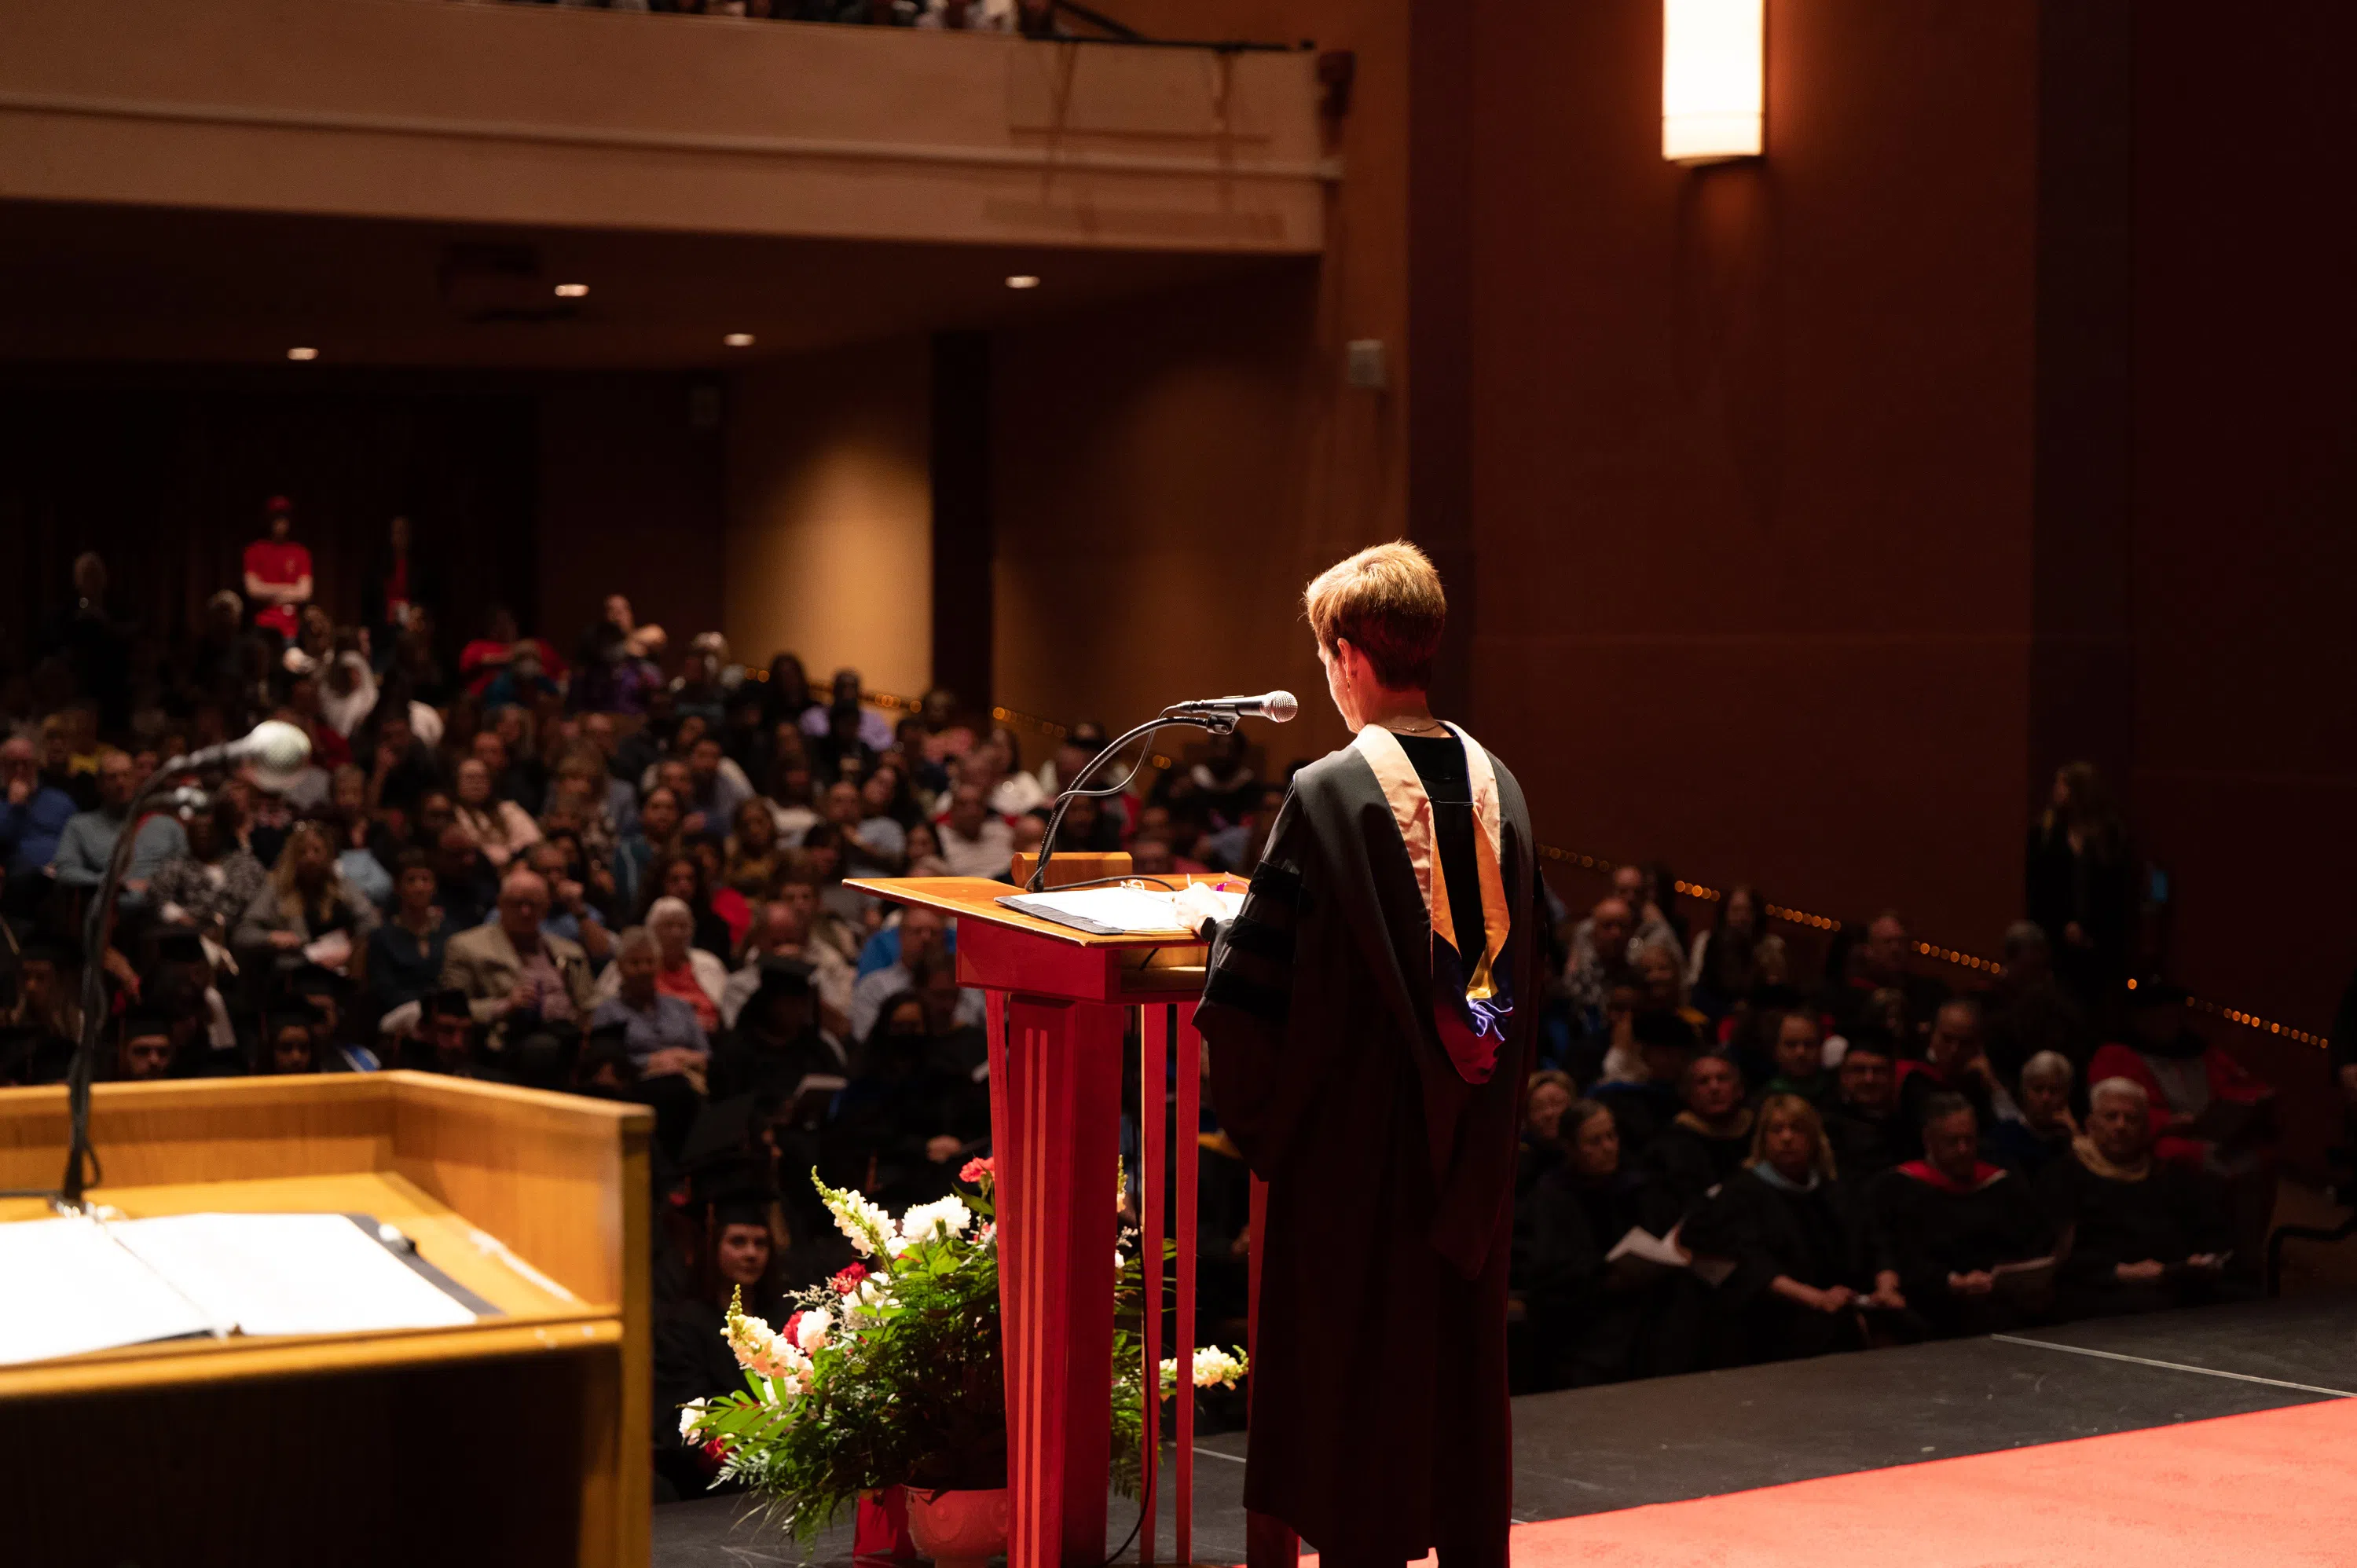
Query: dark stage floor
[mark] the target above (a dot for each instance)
(1591, 1450)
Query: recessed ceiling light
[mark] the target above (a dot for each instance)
(738, 340)
(572, 291)
(1022, 280)
(302, 353)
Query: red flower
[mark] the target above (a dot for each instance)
(847, 1282)
(715, 1451)
(975, 1172)
(790, 1333)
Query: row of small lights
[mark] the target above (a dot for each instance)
(304, 355)
(1708, 894)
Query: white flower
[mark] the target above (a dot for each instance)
(811, 1332)
(689, 1414)
(865, 1222)
(1119, 1263)
(1213, 1368)
(987, 1235)
(936, 1221)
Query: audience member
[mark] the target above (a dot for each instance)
(278, 574)
(2081, 888)
(923, 933)
(1708, 1140)
(1807, 1267)
(1952, 1064)
(519, 981)
(1963, 1234)
(86, 844)
(306, 912)
(209, 883)
(33, 816)
(1879, 963)
(1597, 1319)
(2027, 1012)
(406, 953)
(1864, 1126)
(663, 1032)
(1799, 1058)
(2046, 1127)
(974, 843)
(2138, 1234)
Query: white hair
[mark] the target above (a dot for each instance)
(670, 908)
(2119, 1089)
(637, 939)
(2053, 1066)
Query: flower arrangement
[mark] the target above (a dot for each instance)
(889, 1373)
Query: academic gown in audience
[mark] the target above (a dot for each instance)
(1597, 1322)
(2158, 1210)
(1931, 1226)
(1918, 1083)
(1768, 1227)
(906, 1090)
(2026, 1149)
(1864, 1144)
(1689, 1156)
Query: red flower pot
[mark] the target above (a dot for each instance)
(959, 1530)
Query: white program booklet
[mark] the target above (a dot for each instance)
(72, 1285)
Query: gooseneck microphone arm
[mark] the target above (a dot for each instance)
(275, 749)
(1219, 716)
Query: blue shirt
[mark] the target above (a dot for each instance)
(29, 832)
(669, 1023)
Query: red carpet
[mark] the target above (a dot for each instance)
(2277, 1487)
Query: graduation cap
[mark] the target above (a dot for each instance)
(781, 977)
(286, 1015)
(144, 1023)
(53, 951)
(451, 1002)
(315, 979)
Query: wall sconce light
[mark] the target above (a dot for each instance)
(1714, 79)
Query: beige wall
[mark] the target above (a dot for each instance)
(829, 540)
(600, 119)
(1170, 471)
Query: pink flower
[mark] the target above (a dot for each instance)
(846, 1283)
(976, 1173)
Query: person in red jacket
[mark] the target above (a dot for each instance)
(2206, 1108)
(278, 574)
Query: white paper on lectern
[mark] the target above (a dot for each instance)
(71, 1286)
(1134, 911)
(290, 1273)
(68, 1287)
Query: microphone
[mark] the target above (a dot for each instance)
(276, 749)
(1277, 707)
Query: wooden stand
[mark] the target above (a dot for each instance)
(1060, 1002)
(519, 1439)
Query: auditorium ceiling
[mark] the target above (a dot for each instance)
(161, 285)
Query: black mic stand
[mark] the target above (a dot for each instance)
(1217, 723)
(82, 1168)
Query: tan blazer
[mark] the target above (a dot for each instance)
(483, 963)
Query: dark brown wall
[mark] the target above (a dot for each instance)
(631, 501)
(2246, 444)
(1752, 467)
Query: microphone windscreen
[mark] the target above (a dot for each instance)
(278, 750)
(1281, 706)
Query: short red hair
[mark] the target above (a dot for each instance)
(1387, 601)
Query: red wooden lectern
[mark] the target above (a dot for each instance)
(1060, 1002)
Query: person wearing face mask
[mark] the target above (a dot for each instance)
(1973, 1248)
(1594, 1321)
(1806, 1269)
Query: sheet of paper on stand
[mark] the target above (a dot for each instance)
(1129, 910)
(290, 1273)
(70, 1286)
(66, 1288)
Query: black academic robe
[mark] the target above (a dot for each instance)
(1864, 1147)
(1592, 1322)
(1816, 1236)
(1687, 1159)
(1929, 1230)
(2172, 1213)
(1380, 1427)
